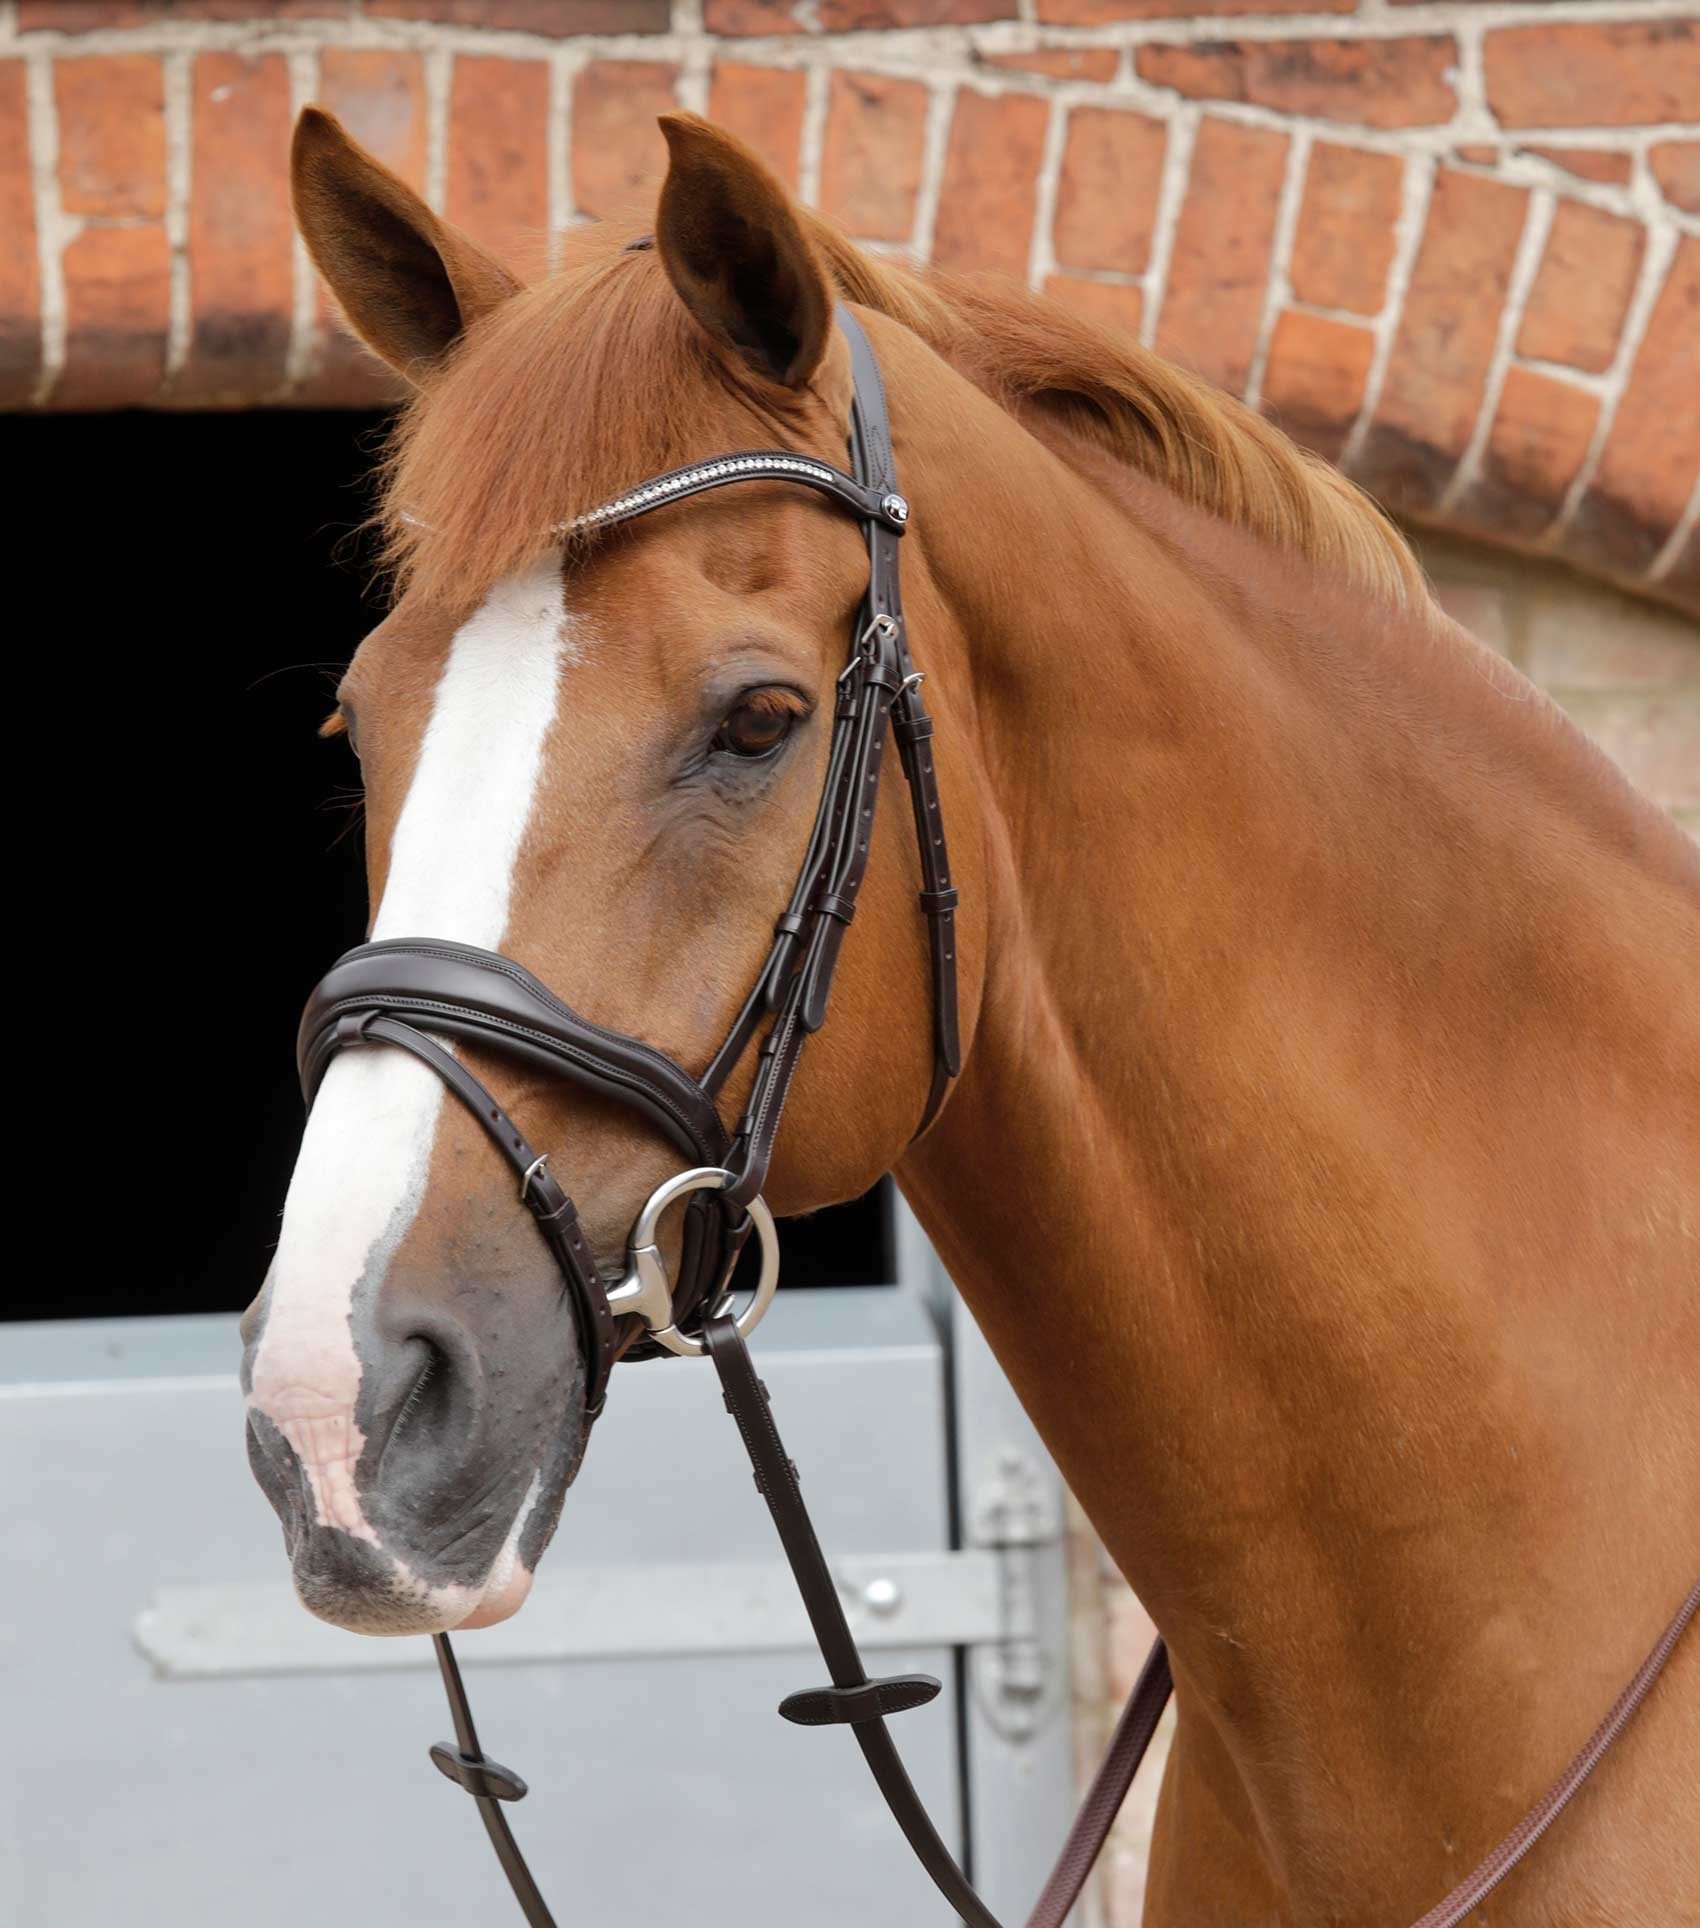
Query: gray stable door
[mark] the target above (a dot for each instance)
(185, 1746)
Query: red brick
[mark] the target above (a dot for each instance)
(558, 17)
(1477, 153)
(734, 17)
(1602, 73)
(1108, 303)
(619, 157)
(242, 263)
(118, 307)
(111, 135)
(1433, 389)
(90, 16)
(1540, 436)
(1376, 83)
(498, 178)
(379, 96)
(763, 106)
(875, 139)
(1059, 63)
(1343, 244)
(1098, 13)
(991, 182)
(1581, 294)
(1652, 453)
(870, 16)
(1107, 198)
(1219, 267)
(1315, 378)
(20, 273)
(1676, 168)
(1588, 163)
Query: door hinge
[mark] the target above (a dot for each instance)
(1016, 1514)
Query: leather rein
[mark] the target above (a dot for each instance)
(410, 993)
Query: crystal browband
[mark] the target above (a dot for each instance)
(883, 506)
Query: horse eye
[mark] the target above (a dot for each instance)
(758, 726)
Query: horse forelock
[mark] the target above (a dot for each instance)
(598, 378)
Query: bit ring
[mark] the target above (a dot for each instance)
(646, 1290)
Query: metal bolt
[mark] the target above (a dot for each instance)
(882, 1596)
(895, 507)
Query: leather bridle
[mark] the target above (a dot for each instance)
(412, 992)
(408, 992)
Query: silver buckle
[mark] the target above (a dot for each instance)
(646, 1289)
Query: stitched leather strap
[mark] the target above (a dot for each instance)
(1097, 1813)
(1471, 1892)
(879, 687)
(862, 1703)
(467, 1752)
(777, 1481)
(556, 1215)
(870, 430)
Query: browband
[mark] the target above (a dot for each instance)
(872, 503)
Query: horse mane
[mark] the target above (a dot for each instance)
(593, 380)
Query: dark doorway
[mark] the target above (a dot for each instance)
(211, 581)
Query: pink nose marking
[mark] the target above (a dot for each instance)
(324, 1438)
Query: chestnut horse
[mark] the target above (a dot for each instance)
(1325, 1164)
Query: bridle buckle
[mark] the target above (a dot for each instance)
(880, 629)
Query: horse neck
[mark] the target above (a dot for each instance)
(1322, 1171)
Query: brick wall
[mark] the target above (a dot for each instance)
(1453, 243)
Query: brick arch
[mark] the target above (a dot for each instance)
(1457, 252)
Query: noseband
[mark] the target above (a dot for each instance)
(414, 992)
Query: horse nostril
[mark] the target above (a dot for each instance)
(427, 1401)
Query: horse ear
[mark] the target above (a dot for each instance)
(408, 282)
(730, 240)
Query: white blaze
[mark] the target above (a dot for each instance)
(361, 1170)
